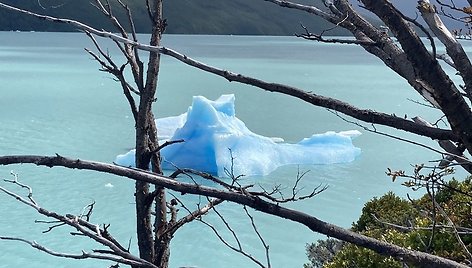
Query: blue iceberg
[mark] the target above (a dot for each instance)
(216, 141)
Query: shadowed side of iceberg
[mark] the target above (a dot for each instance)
(215, 140)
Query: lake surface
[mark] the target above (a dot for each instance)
(54, 100)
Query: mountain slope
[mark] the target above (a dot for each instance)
(249, 17)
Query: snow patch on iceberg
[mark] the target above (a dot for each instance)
(216, 140)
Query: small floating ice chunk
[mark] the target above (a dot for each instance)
(216, 140)
(109, 185)
(350, 133)
(277, 139)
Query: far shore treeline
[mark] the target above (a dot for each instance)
(238, 17)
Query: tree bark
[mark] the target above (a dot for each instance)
(148, 156)
(428, 71)
(453, 48)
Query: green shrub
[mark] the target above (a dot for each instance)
(407, 224)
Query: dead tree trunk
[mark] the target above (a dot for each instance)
(151, 245)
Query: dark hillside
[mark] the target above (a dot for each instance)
(239, 17)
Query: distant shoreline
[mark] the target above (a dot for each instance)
(145, 33)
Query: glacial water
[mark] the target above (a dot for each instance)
(55, 100)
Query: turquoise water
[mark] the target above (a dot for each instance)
(54, 100)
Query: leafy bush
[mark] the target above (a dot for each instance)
(408, 224)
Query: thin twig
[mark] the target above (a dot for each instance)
(254, 227)
(374, 130)
(77, 223)
(83, 255)
(22, 185)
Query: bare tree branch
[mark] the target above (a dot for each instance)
(193, 216)
(463, 230)
(413, 62)
(113, 69)
(254, 227)
(78, 224)
(428, 70)
(454, 228)
(453, 47)
(453, 151)
(310, 9)
(83, 255)
(167, 143)
(449, 149)
(257, 203)
(22, 185)
(319, 37)
(239, 248)
(294, 195)
(321, 101)
(317, 100)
